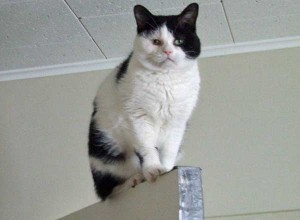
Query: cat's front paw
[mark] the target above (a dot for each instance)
(167, 167)
(137, 179)
(152, 172)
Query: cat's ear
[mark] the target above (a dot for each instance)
(189, 15)
(142, 16)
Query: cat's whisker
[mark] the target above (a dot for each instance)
(151, 25)
(154, 22)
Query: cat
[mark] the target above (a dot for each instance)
(141, 109)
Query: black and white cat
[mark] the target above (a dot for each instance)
(142, 107)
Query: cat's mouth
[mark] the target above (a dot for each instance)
(168, 60)
(164, 61)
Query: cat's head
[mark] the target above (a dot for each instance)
(165, 42)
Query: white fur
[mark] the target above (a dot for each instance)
(149, 107)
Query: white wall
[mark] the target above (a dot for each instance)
(244, 134)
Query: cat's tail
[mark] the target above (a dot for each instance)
(105, 183)
(108, 185)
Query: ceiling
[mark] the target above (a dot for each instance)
(37, 36)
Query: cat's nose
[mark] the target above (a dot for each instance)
(168, 52)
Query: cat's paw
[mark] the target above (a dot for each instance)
(137, 179)
(167, 168)
(152, 172)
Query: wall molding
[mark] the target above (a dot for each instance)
(211, 51)
(251, 46)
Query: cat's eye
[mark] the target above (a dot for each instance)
(178, 42)
(157, 42)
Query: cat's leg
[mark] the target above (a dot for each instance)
(145, 139)
(151, 167)
(169, 150)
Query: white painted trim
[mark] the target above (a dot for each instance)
(210, 51)
(251, 46)
(60, 69)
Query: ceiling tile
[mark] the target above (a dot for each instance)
(39, 26)
(212, 25)
(38, 23)
(267, 28)
(48, 54)
(256, 9)
(114, 34)
(92, 8)
(252, 20)
(15, 1)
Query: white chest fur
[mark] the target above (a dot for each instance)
(162, 96)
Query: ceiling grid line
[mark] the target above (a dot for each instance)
(87, 31)
(227, 20)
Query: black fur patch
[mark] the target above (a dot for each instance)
(101, 148)
(123, 68)
(105, 183)
(140, 157)
(191, 45)
(94, 109)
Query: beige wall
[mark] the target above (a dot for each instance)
(244, 134)
(128, 206)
